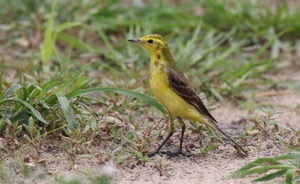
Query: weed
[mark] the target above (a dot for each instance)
(284, 165)
(263, 120)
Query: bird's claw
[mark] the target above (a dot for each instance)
(171, 154)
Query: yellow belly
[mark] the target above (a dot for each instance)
(176, 106)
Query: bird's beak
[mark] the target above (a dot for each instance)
(135, 40)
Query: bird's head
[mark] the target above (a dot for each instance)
(152, 42)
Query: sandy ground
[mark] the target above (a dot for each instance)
(208, 168)
(213, 167)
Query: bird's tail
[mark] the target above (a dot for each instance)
(221, 131)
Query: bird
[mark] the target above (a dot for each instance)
(173, 90)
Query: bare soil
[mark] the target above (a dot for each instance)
(214, 166)
(207, 168)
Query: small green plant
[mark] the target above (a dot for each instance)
(51, 34)
(263, 119)
(295, 138)
(285, 165)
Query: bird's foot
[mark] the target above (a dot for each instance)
(171, 154)
(177, 153)
(152, 153)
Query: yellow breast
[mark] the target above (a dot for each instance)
(176, 106)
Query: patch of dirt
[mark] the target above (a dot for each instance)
(208, 168)
(214, 166)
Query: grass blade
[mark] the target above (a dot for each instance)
(266, 46)
(74, 42)
(36, 113)
(48, 44)
(68, 82)
(259, 162)
(271, 176)
(289, 176)
(127, 92)
(260, 170)
(65, 106)
(288, 156)
(11, 91)
(66, 25)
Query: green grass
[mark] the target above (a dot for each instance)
(78, 69)
(284, 165)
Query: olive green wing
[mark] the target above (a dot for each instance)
(186, 92)
(181, 88)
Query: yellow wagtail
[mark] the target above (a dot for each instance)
(173, 91)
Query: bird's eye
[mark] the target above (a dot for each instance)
(150, 41)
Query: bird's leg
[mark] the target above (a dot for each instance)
(181, 142)
(181, 137)
(171, 123)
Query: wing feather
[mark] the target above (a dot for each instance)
(187, 93)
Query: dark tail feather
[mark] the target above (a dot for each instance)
(236, 144)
